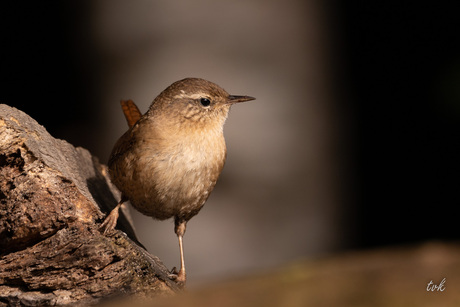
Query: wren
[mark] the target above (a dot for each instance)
(169, 160)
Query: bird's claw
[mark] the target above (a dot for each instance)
(173, 274)
(109, 223)
(178, 277)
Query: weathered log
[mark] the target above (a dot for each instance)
(52, 196)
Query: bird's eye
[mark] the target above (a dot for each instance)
(205, 102)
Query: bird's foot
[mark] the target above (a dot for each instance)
(179, 277)
(110, 221)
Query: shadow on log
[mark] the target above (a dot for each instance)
(52, 196)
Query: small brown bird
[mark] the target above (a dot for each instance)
(169, 160)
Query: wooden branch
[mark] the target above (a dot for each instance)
(52, 196)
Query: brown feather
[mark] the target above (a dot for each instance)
(131, 111)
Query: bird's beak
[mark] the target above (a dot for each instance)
(235, 99)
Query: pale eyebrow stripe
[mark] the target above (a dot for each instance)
(192, 96)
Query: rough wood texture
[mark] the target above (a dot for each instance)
(51, 251)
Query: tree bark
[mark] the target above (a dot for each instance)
(52, 196)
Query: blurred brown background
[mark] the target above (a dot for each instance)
(352, 143)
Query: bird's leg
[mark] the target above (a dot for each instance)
(180, 231)
(181, 276)
(111, 220)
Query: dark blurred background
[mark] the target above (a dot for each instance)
(352, 143)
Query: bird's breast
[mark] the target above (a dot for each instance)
(191, 164)
(178, 174)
